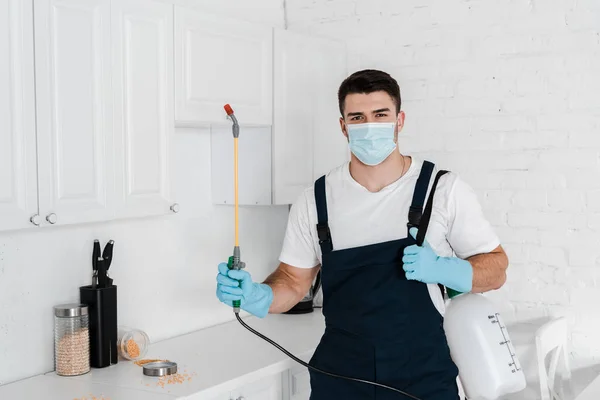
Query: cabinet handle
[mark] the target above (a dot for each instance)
(35, 219)
(51, 218)
(175, 208)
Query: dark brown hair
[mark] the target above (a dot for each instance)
(369, 81)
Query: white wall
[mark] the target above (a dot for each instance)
(165, 268)
(505, 93)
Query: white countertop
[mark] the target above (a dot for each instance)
(222, 358)
(52, 387)
(218, 359)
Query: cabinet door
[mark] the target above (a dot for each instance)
(330, 146)
(18, 175)
(307, 141)
(254, 165)
(265, 389)
(299, 383)
(142, 33)
(293, 122)
(74, 127)
(223, 396)
(219, 61)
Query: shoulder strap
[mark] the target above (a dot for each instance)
(323, 231)
(416, 208)
(424, 223)
(427, 216)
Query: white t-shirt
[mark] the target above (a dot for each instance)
(358, 217)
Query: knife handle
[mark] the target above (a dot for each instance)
(95, 255)
(101, 273)
(107, 254)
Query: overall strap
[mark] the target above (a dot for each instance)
(323, 231)
(416, 208)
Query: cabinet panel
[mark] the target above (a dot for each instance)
(330, 146)
(144, 123)
(265, 389)
(254, 169)
(18, 175)
(221, 61)
(293, 121)
(223, 396)
(74, 117)
(299, 383)
(307, 138)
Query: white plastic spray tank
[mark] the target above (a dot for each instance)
(481, 348)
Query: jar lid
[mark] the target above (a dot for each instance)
(70, 310)
(160, 368)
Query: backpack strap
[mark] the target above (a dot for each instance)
(424, 223)
(415, 211)
(427, 216)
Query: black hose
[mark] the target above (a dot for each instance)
(293, 357)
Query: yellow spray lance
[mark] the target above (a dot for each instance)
(234, 261)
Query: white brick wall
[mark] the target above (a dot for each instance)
(507, 93)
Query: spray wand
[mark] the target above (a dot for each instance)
(234, 261)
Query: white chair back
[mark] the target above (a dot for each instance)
(551, 338)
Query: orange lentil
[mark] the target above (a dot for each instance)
(133, 349)
(73, 353)
(174, 379)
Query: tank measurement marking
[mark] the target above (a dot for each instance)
(495, 319)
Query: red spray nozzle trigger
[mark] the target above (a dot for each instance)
(228, 109)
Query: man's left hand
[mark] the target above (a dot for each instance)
(422, 264)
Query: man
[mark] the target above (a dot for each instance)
(362, 225)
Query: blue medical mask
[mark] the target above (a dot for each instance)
(372, 142)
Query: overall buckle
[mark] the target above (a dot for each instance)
(323, 233)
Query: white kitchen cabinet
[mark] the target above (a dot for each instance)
(307, 141)
(142, 34)
(222, 396)
(86, 131)
(299, 383)
(18, 175)
(330, 146)
(74, 116)
(219, 61)
(254, 165)
(269, 388)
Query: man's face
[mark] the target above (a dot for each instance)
(360, 108)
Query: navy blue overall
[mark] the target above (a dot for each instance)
(379, 325)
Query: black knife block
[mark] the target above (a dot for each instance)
(102, 309)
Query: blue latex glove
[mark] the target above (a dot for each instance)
(238, 285)
(422, 264)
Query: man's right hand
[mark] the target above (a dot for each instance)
(256, 298)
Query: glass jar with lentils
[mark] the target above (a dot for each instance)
(71, 339)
